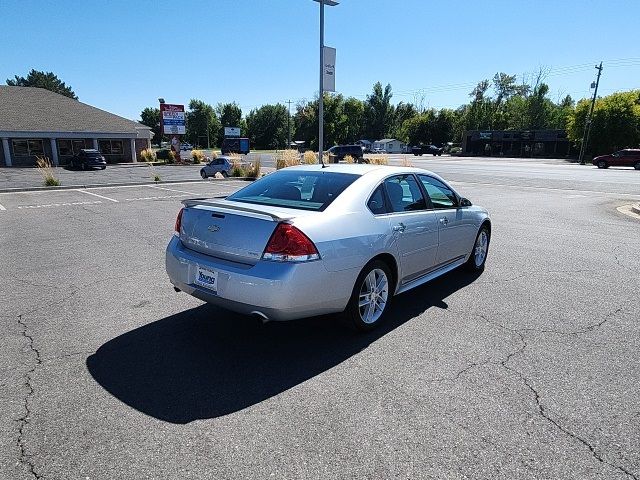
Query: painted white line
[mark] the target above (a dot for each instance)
(154, 198)
(172, 190)
(529, 187)
(66, 204)
(96, 195)
(1, 207)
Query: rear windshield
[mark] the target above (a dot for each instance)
(301, 190)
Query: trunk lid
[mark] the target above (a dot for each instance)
(232, 231)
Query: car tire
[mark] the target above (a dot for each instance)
(102, 168)
(602, 164)
(637, 166)
(480, 250)
(375, 278)
(84, 166)
(203, 174)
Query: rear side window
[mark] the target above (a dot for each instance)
(377, 203)
(404, 194)
(296, 189)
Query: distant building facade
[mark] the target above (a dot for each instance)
(517, 143)
(390, 145)
(35, 122)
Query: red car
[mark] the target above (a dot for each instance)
(629, 157)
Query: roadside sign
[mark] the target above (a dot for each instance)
(173, 119)
(231, 131)
(329, 69)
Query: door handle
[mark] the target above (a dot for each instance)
(444, 221)
(399, 228)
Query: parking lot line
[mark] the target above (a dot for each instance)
(96, 195)
(172, 190)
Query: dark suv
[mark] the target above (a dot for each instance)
(629, 157)
(88, 158)
(338, 152)
(420, 150)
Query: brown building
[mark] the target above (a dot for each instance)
(37, 122)
(517, 143)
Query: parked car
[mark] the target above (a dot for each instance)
(88, 158)
(307, 240)
(222, 164)
(629, 157)
(186, 147)
(419, 150)
(378, 150)
(338, 152)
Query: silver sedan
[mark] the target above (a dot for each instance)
(309, 240)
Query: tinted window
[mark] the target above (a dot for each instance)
(296, 189)
(404, 194)
(441, 196)
(376, 203)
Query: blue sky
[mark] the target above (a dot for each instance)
(122, 55)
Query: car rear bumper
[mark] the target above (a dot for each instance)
(278, 291)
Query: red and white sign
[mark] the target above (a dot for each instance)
(173, 119)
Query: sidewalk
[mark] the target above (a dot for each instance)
(132, 173)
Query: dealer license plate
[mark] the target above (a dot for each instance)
(207, 278)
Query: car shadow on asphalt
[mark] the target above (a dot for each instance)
(207, 362)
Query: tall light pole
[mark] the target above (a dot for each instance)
(587, 125)
(331, 3)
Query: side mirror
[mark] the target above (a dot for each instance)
(465, 202)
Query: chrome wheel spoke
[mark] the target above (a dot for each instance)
(373, 296)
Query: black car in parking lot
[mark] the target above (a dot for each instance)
(338, 152)
(419, 150)
(88, 158)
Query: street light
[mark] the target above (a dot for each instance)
(331, 3)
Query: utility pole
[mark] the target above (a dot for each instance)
(289, 125)
(208, 145)
(587, 126)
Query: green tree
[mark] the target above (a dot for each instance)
(615, 124)
(150, 117)
(402, 113)
(267, 126)
(379, 112)
(48, 80)
(199, 117)
(418, 129)
(230, 115)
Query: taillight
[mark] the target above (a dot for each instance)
(288, 244)
(179, 221)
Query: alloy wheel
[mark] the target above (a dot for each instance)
(480, 249)
(374, 293)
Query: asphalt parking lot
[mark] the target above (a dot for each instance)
(530, 370)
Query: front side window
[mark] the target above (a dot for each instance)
(404, 193)
(301, 190)
(441, 196)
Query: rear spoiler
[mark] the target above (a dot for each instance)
(208, 202)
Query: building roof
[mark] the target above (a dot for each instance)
(387, 140)
(31, 109)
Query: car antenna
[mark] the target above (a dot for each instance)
(322, 159)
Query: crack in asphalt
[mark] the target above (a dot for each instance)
(25, 458)
(620, 264)
(586, 329)
(536, 395)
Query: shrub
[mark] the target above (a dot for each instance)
(163, 154)
(237, 170)
(46, 170)
(309, 158)
(156, 178)
(406, 162)
(348, 159)
(171, 158)
(148, 155)
(287, 158)
(378, 160)
(197, 156)
(254, 169)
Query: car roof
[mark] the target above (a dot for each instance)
(380, 171)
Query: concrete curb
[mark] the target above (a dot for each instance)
(123, 184)
(636, 209)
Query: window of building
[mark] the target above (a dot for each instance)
(111, 147)
(28, 147)
(70, 147)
